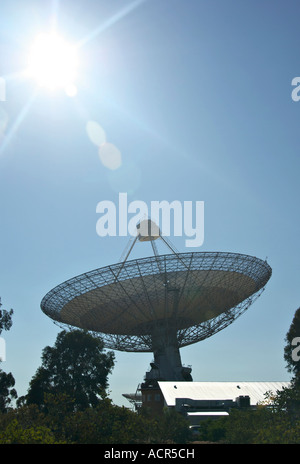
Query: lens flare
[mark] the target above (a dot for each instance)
(110, 156)
(95, 133)
(53, 62)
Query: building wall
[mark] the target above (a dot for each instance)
(152, 399)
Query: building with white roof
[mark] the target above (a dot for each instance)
(203, 400)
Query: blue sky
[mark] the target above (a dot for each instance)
(196, 96)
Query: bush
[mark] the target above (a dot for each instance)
(16, 434)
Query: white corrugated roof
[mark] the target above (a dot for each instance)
(218, 390)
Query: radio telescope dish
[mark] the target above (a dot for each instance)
(160, 303)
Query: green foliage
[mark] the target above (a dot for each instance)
(266, 425)
(212, 430)
(275, 422)
(16, 434)
(173, 427)
(104, 424)
(7, 392)
(26, 425)
(67, 403)
(242, 426)
(286, 402)
(5, 318)
(278, 431)
(76, 366)
(7, 381)
(109, 424)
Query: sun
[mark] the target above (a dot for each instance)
(53, 63)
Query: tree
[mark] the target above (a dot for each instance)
(7, 381)
(291, 353)
(7, 392)
(15, 434)
(76, 366)
(5, 318)
(172, 426)
(104, 424)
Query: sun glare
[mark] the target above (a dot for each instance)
(53, 63)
